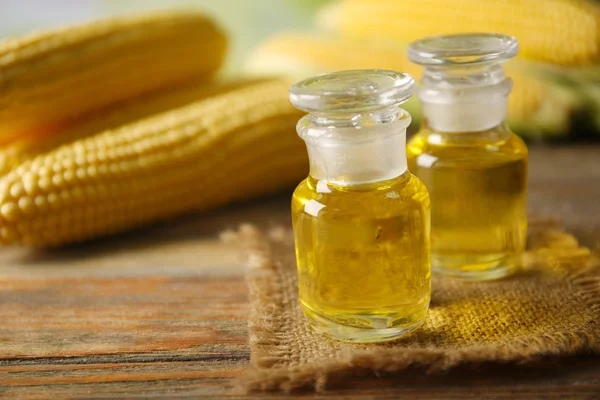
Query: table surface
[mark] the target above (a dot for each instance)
(161, 311)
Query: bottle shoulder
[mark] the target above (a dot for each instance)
(386, 197)
(429, 147)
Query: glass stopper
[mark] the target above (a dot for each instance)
(463, 50)
(352, 91)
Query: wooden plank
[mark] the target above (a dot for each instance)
(67, 317)
(575, 378)
(565, 182)
(160, 312)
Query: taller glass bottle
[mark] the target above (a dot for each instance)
(474, 168)
(361, 220)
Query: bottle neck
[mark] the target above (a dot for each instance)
(358, 150)
(466, 100)
(492, 137)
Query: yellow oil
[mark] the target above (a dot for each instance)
(478, 186)
(363, 257)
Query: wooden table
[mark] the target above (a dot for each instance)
(160, 312)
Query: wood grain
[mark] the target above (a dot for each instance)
(160, 312)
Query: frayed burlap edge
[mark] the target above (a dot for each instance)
(266, 322)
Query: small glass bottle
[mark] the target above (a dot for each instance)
(474, 168)
(361, 219)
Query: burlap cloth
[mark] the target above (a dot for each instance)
(551, 308)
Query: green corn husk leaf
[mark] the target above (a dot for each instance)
(584, 82)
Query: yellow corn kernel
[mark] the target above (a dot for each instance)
(112, 117)
(565, 32)
(50, 78)
(227, 147)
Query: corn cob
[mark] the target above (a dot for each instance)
(565, 32)
(533, 107)
(51, 78)
(113, 117)
(299, 53)
(227, 147)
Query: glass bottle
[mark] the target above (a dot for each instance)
(361, 219)
(474, 168)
